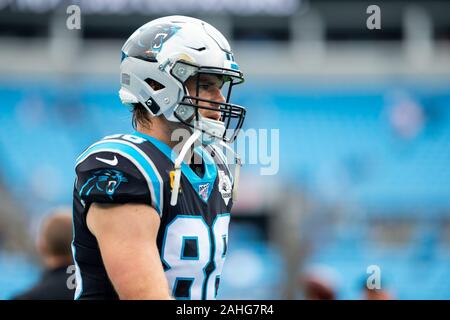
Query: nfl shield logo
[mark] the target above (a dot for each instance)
(203, 191)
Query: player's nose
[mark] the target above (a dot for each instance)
(218, 96)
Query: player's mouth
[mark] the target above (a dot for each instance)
(215, 116)
(212, 115)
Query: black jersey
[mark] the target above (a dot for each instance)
(193, 235)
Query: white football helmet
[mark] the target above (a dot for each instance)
(168, 51)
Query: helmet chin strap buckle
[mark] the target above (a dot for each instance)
(178, 161)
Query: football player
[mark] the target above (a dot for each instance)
(150, 219)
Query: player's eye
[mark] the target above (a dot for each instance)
(206, 86)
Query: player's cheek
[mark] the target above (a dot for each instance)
(205, 94)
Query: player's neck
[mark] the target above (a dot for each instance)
(162, 134)
(158, 133)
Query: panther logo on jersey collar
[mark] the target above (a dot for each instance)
(225, 186)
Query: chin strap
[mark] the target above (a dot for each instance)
(178, 162)
(237, 170)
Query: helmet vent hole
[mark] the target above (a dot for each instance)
(155, 85)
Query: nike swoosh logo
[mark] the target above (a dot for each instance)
(112, 162)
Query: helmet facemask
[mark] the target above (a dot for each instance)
(188, 109)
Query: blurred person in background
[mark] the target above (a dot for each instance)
(54, 247)
(375, 294)
(319, 282)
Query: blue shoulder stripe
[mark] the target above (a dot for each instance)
(142, 162)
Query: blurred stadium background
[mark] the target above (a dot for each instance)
(364, 120)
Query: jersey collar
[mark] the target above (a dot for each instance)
(203, 186)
